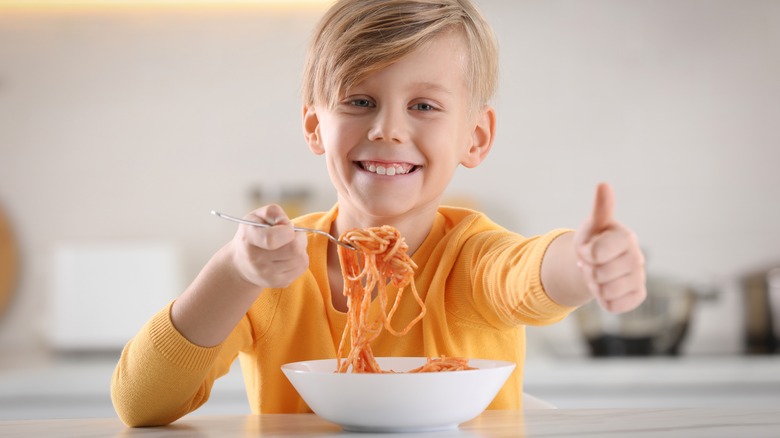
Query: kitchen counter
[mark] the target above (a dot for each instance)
(712, 423)
(649, 382)
(79, 387)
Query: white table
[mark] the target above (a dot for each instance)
(629, 423)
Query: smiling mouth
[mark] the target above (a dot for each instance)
(389, 169)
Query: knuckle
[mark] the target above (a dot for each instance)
(278, 237)
(608, 291)
(602, 274)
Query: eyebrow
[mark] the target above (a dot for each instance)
(434, 87)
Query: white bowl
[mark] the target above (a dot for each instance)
(397, 402)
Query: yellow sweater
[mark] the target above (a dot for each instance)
(480, 283)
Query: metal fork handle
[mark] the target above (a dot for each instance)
(298, 229)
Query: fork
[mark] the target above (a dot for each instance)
(299, 229)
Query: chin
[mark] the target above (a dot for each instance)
(386, 209)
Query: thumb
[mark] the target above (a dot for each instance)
(603, 208)
(270, 214)
(601, 216)
(275, 215)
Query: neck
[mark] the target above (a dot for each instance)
(414, 225)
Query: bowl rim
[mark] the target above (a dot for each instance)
(413, 361)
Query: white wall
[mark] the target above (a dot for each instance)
(133, 124)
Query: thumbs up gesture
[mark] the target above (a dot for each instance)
(609, 257)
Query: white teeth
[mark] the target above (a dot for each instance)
(389, 170)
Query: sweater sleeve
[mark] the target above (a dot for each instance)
(507, 279)
(161, 376)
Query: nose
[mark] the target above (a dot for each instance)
(389, 125)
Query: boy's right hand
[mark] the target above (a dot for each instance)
(273, 256)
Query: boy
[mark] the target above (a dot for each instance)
(395, 98)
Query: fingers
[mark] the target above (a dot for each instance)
(279, 234)
(626, 302)
(609, 257)
(278, 268)
(608, 245)
(619, 285)
(270, 256)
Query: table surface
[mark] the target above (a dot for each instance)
(692, 422)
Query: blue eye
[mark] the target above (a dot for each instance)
(364, 103)
(423, 107)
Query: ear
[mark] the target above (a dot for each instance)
(311, 130)
(482, 137)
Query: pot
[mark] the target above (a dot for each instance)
(761, 297)
(657, 327)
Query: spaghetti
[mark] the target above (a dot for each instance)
(384, 262)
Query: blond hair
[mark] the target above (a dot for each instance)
(356, 38)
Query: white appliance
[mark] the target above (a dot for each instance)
(102, 292)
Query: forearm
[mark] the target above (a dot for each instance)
(562, 279)
(161, 376)
(211, 307)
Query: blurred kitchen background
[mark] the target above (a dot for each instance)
(122, 124)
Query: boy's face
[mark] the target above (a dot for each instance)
(394, 141)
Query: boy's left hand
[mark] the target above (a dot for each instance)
(609, 257)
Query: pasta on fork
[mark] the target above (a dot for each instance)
(380, 259)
